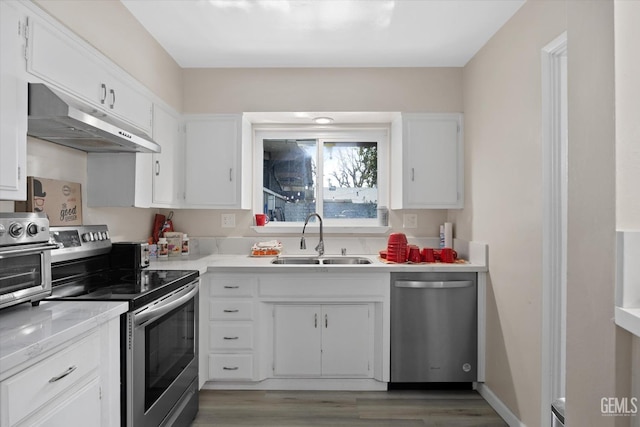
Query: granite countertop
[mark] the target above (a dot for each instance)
(27, 331)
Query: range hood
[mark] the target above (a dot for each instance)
(59, 118)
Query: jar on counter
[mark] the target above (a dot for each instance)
(185, 244)
(163, 247)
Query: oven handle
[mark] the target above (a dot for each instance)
(31, 249)
(165, 306)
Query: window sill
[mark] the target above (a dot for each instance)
(629, 319)
(276, 229)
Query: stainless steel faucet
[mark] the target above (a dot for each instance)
(303, 244)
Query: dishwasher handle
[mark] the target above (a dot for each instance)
(443, 284)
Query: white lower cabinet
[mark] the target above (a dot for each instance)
(75, 386)
(231, 330)
(322, 340)
(292, 329)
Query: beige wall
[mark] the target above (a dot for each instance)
(502, 104)
(109, 27)
(627, 63)
(323, 89)
(594, 344)
(502, 93)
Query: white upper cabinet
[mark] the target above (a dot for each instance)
(217, 162)
(62, 60)
(166, 164)
(427, 158)
(13, 105)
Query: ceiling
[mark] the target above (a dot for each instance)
(322, 33)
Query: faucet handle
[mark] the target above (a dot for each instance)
(303, 244)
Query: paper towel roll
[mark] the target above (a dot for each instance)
(448, 235)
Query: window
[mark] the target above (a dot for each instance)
(340, 175)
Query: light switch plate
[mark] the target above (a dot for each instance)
(410, 221)
(228, 220)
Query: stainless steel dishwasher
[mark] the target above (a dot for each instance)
(434, 334)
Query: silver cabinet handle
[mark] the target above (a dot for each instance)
(230, 174)
(231, 287)
(230, 368)
(231, 311)
(413, 174)
(326, 321)
(231, 338)
(315, 324)
(157, 167)
(104, 93)
(64, 374)
(113, 98)
(433, 285)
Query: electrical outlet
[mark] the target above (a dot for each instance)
(410, 221)
(228, 220)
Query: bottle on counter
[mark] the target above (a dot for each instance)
(185, 244)
(163, 247)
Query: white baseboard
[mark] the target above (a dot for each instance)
(499, 406)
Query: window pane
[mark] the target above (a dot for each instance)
(289, 179)
(350, 180)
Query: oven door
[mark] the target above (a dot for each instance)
(25, 273)
(162, 359)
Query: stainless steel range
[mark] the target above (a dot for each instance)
(159, 333)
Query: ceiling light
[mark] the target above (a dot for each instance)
(323, 120)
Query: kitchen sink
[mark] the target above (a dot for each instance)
(316, 261)
(346, 260)
(295, 260)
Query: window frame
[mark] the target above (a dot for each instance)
(373, 133)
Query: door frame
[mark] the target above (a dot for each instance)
(554, 227)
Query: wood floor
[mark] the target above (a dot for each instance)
(330, 408)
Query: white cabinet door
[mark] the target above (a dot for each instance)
(166, 132)
(213, 161)
(345, 340)
(430, 173)
(322, 340)
(62, 60)
(297, 338)
(80, 409)
(13, 105)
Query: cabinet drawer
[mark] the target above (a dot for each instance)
(231, 310)
(230, 367)
(233, 286)
(28, 390)
(229, 336)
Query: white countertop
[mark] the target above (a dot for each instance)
(217, 262)
(27, 332)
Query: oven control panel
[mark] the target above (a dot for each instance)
(79, 242)
(21, 228)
